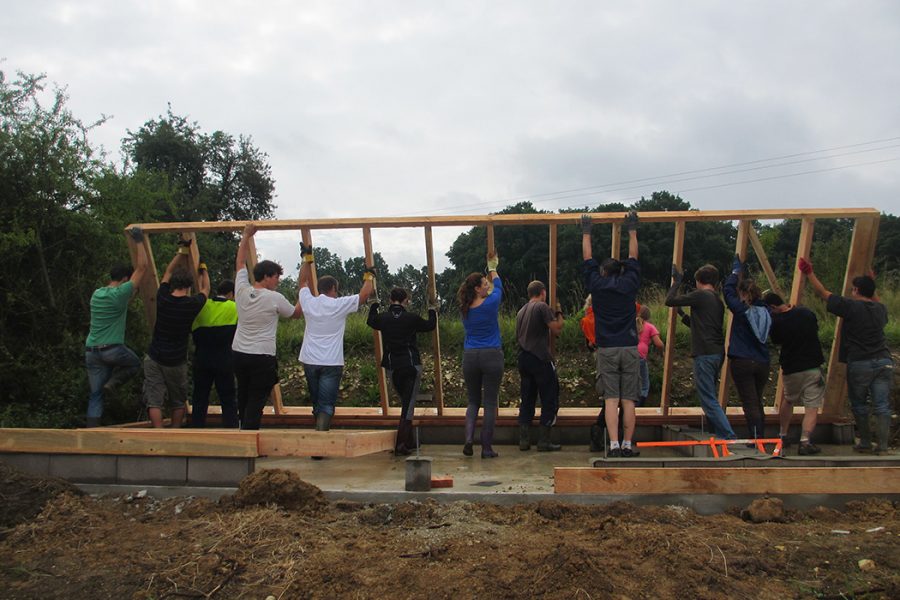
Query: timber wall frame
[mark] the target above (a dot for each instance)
(861, 255)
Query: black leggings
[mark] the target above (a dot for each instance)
(750, 379)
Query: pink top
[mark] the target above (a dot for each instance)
(645, 337)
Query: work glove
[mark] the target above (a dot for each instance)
(685, 318)
(805, 266)
(306, 253)
(677, 275)
(492, 262)
(433, 304)
(201, 267)
(137, 234)
(631, 220)
(586, 222)
(369, 274)
(737, 266)
(184, 245)
(558, 310)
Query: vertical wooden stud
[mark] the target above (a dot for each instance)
(313, 277)
(669, 354)
(764, 261)
(740, 248)
(376, 335)
(616, 250)
(436, 334)
(149, 285)
(552, 293)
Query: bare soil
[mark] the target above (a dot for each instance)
(278, 536)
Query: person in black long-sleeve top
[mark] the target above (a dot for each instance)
(401, 359)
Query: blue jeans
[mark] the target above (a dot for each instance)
(870, 378)
(706, 377)
(107, 366)
(323, 382)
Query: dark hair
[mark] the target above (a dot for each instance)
(610, 267)
(327, 283)
(398, 294)
(120, 272)
(181, 279)
(749, 287)
(865, 285)
(645, 313)
(773, 299)
(225, 288)
(535, 288)
(466, 293)
(266, 268)
(707, 274)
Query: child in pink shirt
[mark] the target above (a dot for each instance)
(647, 334)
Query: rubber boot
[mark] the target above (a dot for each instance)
(487, 433)
(524, 436)
(597, 442)
(864, 433)
(544, 444)
(883, 430)
(400, 447)
(470, 435)
(411, 441)
(323, 421)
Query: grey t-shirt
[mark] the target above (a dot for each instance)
(533, 331)
(862, 333)
(707, 313)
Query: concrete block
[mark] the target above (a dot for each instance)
(84, 468)
(157, 470)
(34, 463)
(418, 474)
(218, 472)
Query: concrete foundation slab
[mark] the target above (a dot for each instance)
(158, 470)
(30, 462)
(87, 468)
(218, 472)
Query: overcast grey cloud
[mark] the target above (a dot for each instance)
(391, 108)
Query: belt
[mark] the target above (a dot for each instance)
(100, 348)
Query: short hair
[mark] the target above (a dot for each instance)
(398, 294)
(749, 287)
(327, 283)
(707, 275)
(610, 267)
(535, 288)
(865, 285)
(266, 268)
(226, 287)
(120, 272)
(181, 279)
(773, 299)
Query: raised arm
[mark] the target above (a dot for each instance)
(807, 269)
(492, 262)
(306, 261)
(368, 286)
(140, 258)
(244, 247)
(170, 268)
(556, 325)
(203, 276)
(631, 223)
(586, 251)
(372, 319)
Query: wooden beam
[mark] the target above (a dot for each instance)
(862, 253)
(727, 480)
(148, 442)
(491, 247)
(552, 295)
(436, 334)
(764, 261)
(616, 250)
(149, 284)
(313, 275)
(194, 257)
(740, 248)
(335, 443)
(513, 219)
(669, 353)
(376, 335)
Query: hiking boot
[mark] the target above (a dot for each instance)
(524, 436)
(808, 449)
(629, 452)
(489, 453)
(467, 449)
(544, 444)
(614, 453)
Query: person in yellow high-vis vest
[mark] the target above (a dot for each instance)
(213, 331)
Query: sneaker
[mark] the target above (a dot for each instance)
(467, 449)
(864, 449)
(630, 452)
(614, 453)
(808, 449)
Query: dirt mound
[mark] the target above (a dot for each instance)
(763, 510)
(281, 487)
(24, 495)
(873, 508)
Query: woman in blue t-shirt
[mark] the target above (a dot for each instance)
(479, 305)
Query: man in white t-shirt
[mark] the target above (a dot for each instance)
(322, 353)
(259, 306)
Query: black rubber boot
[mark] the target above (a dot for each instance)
(864, 433)
(323, 421)
(883, 430)
(544, 444)
(401, 447)
(524, 436)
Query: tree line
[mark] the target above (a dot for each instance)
(64, 205)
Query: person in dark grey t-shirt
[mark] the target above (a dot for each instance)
(870, 368)
(534, 323)
(707, 341)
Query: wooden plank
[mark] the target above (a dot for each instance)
(436, 334)
(552, 295)
(764, 261)
(149, 285)
(616, 249)
(512, 219)
(313, 276)
(669, 354)
(490, 239)
(194, 257)
(727, 480)
(862, 253)
(126, 441)
(336, 443)
(376, 335)
(740, 248)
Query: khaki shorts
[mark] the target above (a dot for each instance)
(807, 387)
(160, 380)
(619, 373)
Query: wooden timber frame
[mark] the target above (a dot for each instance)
(861, 255)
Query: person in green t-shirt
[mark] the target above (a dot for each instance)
(108, 360)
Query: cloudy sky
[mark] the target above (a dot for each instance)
(415, 108)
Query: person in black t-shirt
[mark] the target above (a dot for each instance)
(165, 366)
(796, 330)
(870, 368)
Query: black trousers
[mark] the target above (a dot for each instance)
(256, 375)
(214, 369)
(750, 379)
(538, 378)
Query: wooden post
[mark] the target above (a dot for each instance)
(669, 354)
(149, 285)
(740, 248)
(436, 335)
(764, 261)
(804, 245)
(552, 295)
(376, 335)
(616, 241)
(313, 277)
(490, 238)
(862, 252)
(194, 257)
